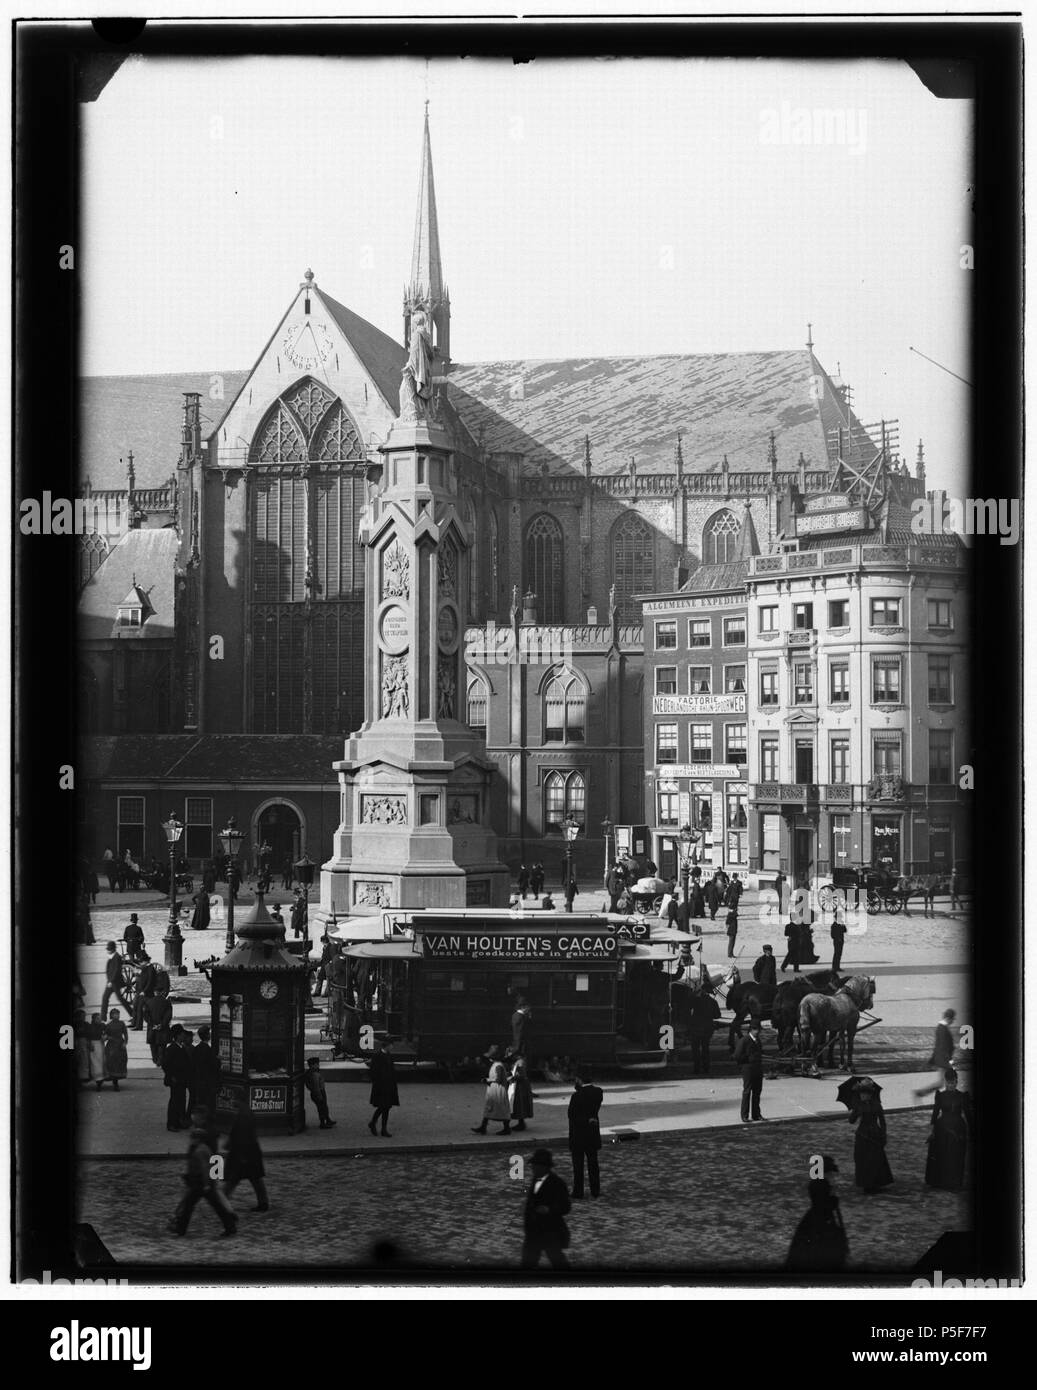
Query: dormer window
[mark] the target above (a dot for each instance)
(135, 609)
(131, 617)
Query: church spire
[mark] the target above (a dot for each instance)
(426, 289)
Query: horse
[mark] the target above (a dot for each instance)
(824, 1018)
(756, 1000)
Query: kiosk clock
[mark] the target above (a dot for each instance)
(268, 989)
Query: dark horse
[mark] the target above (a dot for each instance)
(824, 1018)
(779, 1003)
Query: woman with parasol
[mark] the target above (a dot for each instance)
(871, 1169)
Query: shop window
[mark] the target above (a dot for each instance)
(702, 808)
(737, 815)
(770, 842)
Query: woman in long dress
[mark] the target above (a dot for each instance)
(95, 1039)
(200, 916)
(82, 1046)
(116, 1038)
(520, 1094)
(497, 1106)
(871, 1170)
(949, 1130)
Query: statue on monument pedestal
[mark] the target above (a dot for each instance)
(395, 696)
(416, 385)
(446, 688)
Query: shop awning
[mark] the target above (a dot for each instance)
(383, 950)
(358, 929)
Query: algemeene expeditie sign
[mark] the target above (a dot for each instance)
(515, 945)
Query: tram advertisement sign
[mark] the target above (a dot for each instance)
(513, 945)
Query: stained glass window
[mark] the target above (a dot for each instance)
(720, 538)
(544, 567)
(633, 563)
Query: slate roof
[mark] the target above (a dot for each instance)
(715, 578)
(143, 558)
(182, 758)
(383, 357)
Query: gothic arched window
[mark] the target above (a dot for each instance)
(565, 710)
(544, 567)
(565, 794)
(478, 699)
(720, 538)
(633, 563)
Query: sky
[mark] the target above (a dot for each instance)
(586, 208)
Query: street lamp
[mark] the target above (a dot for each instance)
(606, 830)
(570, 829)
(304, 869)
(230, 840)
(688, 840)
(173, 939)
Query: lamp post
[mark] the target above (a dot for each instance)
(688, 840)
(173, 939)
(304, 869)
(606, 830)
(570, 829)
(230, 840)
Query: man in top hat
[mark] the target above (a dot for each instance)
(547, 1205)
(765, 968)
(749, 1056)
(114, 981)
(585, 1132)
(705, 1014)
(133, 935)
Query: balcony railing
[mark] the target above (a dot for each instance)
(878, 792)
(786, 793)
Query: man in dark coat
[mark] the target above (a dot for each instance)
(384, 1094)
(536, 879)
(287, 874)
(765, 968)
(705, 1011)
(749, 1057)
(177, 1068)
(712, 899)
(520, 1021)
(200, 1184)
(206, 1070)
(145, 991)
(159, 1012)
(732, 931)
(615, 882)
(547, 1206)
(794, 932)
(570, 893)
(114, 981)
(942, 1053)
(585, 1133)
(523, 881)
(245, 1157)
(133, 935)
(734, 891)
(298, 914)
(838, 938)
(318, 1092)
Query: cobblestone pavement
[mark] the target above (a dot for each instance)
(724, 1200)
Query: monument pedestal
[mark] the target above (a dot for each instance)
(414, 828)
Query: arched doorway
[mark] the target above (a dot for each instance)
(280, 824)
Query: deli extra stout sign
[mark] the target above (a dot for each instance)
(509, 943)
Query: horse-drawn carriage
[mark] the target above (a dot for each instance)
(882, 890)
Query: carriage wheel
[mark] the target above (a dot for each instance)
(874, 903)
(826, 899)
(894, 905)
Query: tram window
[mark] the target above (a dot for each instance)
(593, 987)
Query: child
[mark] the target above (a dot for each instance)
(318, 1092)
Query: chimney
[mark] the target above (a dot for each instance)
(920, 463)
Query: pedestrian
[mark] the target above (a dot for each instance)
(548, 904)
(698, 901)
(114, 982)
(206, 1067)
(176, 1069)
(615, 881)
(145, 991)
(520, 1094)
(159, 1012)
(732, 931)
(116, 1038)
(955, 885)
(233, 881)
(942, 1054)
(329, 950)
(298, 914)
(384, 1092)
(275, 916)
(200, 1183)
(705, 1012)
(838, 938)
(950, 1127)
(187, 1043)
(779, 888)
(161, 980)
(765, 968)
(209, 877)
(94, 1033)
(520, 1021)
(81, 1044)
(871, 1168)
(536, 879)
(547, 1206)
(585, 1133)
(287, 874)
(734, 891)
(712, 898)
(110, 867)
(795, 938)
(245, 1157)
(819, 1245)
(929, 883)
(92, 884)
(200, 915)
(570, 892)
(749, 1056)
(133, 935)
(523, 881)
(496, 1106)
(318, 1092)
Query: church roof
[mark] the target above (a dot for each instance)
(141, 564)
(711, 579)
(634, 407)
(722, 403)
